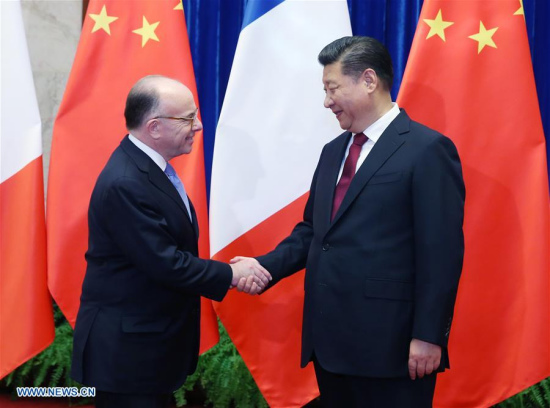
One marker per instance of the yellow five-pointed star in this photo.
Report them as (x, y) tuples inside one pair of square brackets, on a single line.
[(179, 5), (437, 26), (484, 37), (147, 32), (519, 11), (102, 21)]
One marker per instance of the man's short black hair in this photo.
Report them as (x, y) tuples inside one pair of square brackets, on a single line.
[(142, 102), (357, 54)]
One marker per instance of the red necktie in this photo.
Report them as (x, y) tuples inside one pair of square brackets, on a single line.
[(348, 172)]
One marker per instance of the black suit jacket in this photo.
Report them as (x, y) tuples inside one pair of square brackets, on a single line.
[(386, 269), (137, 329)]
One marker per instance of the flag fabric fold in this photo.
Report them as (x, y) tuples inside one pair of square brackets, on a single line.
[(270, 133), (120, 43), (26, 315), (469, 76)]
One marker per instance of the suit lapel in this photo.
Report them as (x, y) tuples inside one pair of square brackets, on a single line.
[(388, 143), (194, 218), (163, 183), (156, 175), (328, 174)]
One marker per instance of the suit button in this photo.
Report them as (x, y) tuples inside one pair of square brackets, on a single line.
[(326, 247)]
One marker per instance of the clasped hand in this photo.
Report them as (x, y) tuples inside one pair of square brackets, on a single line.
[(248, 275), (424, 358)]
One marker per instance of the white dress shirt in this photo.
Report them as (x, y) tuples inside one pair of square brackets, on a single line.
[(159, 160), (153, 154), (373, 132)]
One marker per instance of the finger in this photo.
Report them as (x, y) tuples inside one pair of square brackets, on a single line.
[(412, 368), (255, 287), (261, 277), (421, 369), (241, 284), (260, 284), (249, 282), (264, 271), (265, 274), (236, 259), (429, 367)]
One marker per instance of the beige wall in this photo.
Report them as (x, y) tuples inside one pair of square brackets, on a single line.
[(53, 30)]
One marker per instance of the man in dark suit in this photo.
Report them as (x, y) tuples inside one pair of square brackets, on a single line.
[(137, 331), (381, 241)]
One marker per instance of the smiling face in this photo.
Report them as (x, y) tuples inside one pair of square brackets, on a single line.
[(349, 98), (177, 134), (174, 127)]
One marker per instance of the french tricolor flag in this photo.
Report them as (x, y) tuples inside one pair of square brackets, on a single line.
[(270, 133), (26, 319)]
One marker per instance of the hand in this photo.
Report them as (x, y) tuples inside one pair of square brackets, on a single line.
[(424, 358), (245, 284), (248, 275)]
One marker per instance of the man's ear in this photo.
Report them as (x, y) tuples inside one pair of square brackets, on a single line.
[(153, 128), (370, 78)]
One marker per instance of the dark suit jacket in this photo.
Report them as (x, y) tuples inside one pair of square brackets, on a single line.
[(137, 329), (386, 269)]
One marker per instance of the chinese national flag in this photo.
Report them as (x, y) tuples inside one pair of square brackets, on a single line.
[(469, 76), (121, 42), (26, 317)]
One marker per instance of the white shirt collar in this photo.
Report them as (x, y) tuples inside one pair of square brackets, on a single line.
[(375, 130), (153, 154)]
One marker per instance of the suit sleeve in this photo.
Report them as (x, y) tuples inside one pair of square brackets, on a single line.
[(290, 255), (138, 227), (438, 212)]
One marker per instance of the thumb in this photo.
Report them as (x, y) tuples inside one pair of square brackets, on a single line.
[(237, 259)]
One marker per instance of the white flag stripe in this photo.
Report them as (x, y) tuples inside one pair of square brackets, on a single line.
[(273, 123), (20, 127)]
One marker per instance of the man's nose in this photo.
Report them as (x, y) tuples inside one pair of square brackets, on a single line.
[(197, 125), (328, 101)]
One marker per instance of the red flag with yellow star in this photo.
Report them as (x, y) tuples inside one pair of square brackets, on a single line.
[(120, 42), (469, 76)]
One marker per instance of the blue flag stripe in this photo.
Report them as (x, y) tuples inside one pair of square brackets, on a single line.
[(257, 8)]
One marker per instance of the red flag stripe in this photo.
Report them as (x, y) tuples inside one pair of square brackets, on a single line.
[(274, 320), (26, 319)]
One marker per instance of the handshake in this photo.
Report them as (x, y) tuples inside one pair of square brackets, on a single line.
[(248, 275)]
